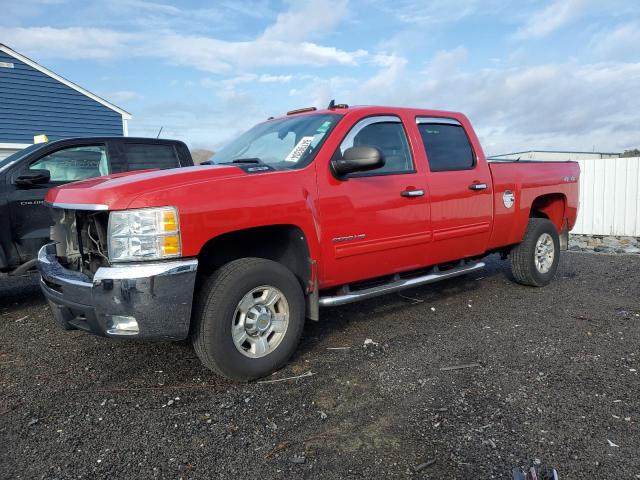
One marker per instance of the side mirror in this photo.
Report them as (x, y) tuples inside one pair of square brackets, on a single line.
[(33, 177), (357, 159)]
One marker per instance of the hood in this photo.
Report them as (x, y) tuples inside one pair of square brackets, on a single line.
[(116, 192)]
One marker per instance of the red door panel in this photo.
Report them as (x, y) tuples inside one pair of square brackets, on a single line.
[(375, 224), (460, 190)]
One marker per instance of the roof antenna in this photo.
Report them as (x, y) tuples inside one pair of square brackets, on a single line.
[(332, 105), (159, 132)]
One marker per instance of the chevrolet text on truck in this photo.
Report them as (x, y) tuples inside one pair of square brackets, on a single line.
[(313, 209)]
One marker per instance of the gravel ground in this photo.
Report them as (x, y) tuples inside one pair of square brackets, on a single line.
[(556, 383), (604, 244)]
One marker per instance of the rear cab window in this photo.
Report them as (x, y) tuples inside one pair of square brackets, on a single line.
[(447, 145), (144, 156)]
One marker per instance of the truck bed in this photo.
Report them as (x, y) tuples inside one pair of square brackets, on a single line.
[(529, 180)]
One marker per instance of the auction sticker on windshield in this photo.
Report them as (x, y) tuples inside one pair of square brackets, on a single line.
[(297, 152)]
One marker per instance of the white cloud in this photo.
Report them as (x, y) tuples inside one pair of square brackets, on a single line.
[(558, 14), (213, 55), (77, 43), (434, 12), (555, 105), (267, 78), (552, 106), (282, 44), (622, 41), (566, 106), (305, 19), (391, 71), (200, 52)]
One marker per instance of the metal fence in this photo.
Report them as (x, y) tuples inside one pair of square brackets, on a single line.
[(609, 197)]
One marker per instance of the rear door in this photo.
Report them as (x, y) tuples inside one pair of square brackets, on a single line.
[(460, 191), (30, 220)]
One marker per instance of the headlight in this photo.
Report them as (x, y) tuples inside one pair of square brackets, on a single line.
[(144, 234)]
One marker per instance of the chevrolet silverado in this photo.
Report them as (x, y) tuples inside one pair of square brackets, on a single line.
[(314, 209)]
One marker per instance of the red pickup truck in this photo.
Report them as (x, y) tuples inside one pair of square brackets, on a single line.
[(314, 209)]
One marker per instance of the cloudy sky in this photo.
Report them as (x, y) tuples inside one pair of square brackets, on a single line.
[(531, 74)]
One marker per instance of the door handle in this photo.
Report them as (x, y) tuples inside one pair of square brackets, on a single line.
[(478, 186), (412, 193)]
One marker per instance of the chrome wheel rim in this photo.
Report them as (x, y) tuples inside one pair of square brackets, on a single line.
[(545, 253), (260, 321)]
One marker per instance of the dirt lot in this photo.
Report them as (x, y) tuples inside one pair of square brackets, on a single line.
[(556, 383)]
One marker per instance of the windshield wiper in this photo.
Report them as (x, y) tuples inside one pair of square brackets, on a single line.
[(249, 161), (245, 160)]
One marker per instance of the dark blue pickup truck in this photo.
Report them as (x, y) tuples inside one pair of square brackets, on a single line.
[(27, 175)]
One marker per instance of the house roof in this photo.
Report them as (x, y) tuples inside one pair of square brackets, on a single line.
[(126, 115)]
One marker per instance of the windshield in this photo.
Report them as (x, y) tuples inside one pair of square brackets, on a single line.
[(281, 144), (14, 157)]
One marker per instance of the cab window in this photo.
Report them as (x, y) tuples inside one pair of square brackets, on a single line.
[(387, 134), (143, 156), (74, 163), (447, 146)]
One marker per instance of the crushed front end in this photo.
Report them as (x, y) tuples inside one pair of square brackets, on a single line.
[(149, 299)]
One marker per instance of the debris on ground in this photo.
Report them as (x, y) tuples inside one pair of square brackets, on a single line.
[(278, 448), (415, 301), (533, 474), (299, 459), (424, 465), (459, 367), (306, 374), (368, 341)]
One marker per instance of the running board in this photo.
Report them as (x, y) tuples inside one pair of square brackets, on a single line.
[(346, 295)]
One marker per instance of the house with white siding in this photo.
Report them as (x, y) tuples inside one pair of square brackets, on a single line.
[(36, 101)]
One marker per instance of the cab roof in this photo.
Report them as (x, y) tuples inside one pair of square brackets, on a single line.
[(364, 110)]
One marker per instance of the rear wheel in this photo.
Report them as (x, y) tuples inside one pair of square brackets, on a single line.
[(248, 318), (535, 260)]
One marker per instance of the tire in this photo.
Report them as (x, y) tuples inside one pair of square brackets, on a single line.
[(222, 317), (524, 267)]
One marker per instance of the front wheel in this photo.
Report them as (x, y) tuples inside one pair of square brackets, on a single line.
[(248, 318), (534, 261)]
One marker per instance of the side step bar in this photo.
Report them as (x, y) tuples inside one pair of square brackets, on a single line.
[(346, 295)]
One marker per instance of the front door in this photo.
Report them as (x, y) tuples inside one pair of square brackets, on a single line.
[(30, 220), (460, 191), (373, 223)]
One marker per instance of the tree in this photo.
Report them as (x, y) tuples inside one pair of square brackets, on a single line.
[(631, 153)]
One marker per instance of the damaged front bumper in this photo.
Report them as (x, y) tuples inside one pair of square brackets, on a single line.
[(144, 300)]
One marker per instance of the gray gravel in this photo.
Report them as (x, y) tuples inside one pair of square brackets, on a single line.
[(555, 383), (604, 244)]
